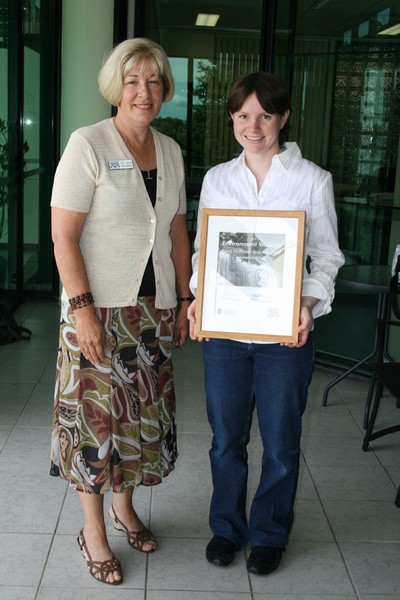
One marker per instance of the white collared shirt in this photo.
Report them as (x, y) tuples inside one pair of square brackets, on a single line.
[(292, 183)]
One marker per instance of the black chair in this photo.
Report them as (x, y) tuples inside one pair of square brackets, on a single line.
[(384, 375)]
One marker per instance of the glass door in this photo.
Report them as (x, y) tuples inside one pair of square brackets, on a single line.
[(29, 78), (10, 151)]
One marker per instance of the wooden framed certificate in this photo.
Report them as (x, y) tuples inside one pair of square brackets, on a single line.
[(250, 274)]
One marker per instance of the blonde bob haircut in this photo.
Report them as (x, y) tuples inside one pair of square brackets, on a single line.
[(137, 52)]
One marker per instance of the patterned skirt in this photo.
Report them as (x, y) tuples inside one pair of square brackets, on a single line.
[(114, 423)]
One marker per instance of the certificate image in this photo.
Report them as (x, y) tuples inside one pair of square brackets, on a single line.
[(247, 260), (250, 273)]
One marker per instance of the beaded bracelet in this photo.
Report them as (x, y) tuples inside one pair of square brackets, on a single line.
[(81, 301), (186, 299)]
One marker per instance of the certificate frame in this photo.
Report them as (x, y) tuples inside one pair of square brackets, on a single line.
[(250, 274)]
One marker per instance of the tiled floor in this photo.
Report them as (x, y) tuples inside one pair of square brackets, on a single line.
[(345, 544)]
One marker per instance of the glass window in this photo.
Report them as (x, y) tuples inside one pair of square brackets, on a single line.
[(205, 59), (346, 117), (346, 107), (341, 62)]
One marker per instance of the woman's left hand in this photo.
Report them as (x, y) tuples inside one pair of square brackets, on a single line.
[(306, 324), (181, 330)]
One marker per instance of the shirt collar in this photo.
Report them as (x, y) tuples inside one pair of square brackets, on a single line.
[(290, 153)]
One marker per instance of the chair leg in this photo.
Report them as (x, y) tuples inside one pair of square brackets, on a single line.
[(367, 408), (374, 412), (397, 501)]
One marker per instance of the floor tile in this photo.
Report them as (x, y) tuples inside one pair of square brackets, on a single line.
[(180, 564), (330, 421), (274, 596), (22, 558), (14, 392), (352, 483), (319, 450), (194, 595), (71, 518), (306, 489), (307, 568), (30, 511), (187, 479), (17, 593), (13, 398), (310, 522), (374, 568), (394, 474), (4, 435), (65, 551), (38, 411), (15, 475), (106, 592), (30, 440), (194, 447), (386, 449), (186, 519), (364, 521), (379, 597)]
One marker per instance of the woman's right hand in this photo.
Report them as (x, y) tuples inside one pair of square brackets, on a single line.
[(191, 315), (90, 334)]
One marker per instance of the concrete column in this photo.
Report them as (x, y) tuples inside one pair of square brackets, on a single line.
[(87, 36)]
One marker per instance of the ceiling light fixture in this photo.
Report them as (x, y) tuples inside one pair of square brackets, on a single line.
[(394, 30), (206, 20), (320, 4)]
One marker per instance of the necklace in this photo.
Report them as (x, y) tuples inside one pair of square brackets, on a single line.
[(138, 159)]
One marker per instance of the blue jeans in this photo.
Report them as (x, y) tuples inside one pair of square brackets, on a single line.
[(274, 379)]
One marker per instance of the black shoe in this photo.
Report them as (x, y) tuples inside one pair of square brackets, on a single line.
[(264, 559), (220, 551)]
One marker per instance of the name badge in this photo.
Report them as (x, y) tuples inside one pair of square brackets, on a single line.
[(120, 164)]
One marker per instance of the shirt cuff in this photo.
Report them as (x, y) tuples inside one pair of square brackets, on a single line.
[(193, 283), (314, 288)]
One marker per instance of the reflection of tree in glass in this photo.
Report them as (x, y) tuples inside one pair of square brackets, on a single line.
[(248, 261), (205, 138)]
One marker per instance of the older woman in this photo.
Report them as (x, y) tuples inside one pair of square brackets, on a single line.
[(123, 254)]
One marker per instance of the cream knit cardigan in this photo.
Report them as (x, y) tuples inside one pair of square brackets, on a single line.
[(122, 228)]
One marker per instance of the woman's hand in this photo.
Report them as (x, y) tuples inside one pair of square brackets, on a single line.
[(181, 330), (191, 315), (90, 334), (306, 323)]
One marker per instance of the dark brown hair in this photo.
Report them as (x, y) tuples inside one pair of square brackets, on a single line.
[(271, 91)]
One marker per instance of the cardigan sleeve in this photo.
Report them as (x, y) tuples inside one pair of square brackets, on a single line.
[(75, 178)]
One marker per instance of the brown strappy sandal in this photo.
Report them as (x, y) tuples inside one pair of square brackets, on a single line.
[(99, 569), (136, 539)]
